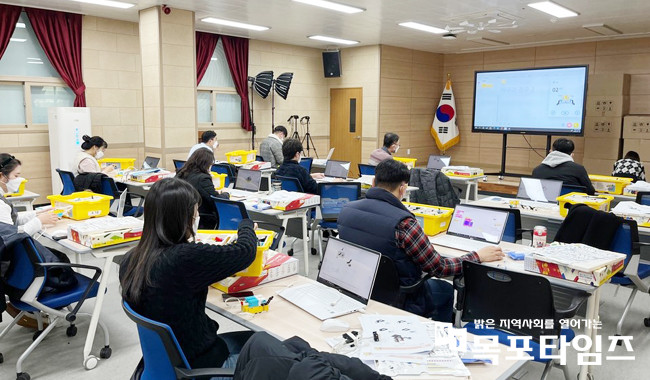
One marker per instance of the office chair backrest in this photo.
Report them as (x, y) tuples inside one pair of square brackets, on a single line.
[(290, 183), (624, 241), (178, 164), (387, 283), (224, 169), (67, 179), (110, 188), (259, 158), (643, 198), (572, 189), (585, 225), (501, 295), (306, 162), (160, 349), (230, 213), (365, 169), (23, 268), (335, 195)]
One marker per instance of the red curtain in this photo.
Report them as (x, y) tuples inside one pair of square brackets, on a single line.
[(8, 18), (236, 50), (205, 45), (59, 34)]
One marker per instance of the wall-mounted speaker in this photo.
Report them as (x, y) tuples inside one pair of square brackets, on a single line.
[(332, 64)]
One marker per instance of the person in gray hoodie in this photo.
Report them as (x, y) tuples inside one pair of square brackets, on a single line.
[(559, 165)]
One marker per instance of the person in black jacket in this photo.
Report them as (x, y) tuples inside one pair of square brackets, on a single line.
[(292, 151), (167, 275), (196, 171), (559, 165)]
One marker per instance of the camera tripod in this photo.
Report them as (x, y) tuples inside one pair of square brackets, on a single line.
[(307, 137), (293, 122)]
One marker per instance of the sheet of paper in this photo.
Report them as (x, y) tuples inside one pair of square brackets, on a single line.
[(534, 189)]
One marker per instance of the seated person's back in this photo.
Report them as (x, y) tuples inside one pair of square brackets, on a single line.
[(292, 151), (386, 151), (271, 146), (630, 166), (559, 165)]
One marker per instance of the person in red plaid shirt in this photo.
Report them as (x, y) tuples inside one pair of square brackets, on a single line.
[(381, 222)]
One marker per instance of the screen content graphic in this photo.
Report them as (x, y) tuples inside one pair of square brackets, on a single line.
[(534, 101), (249, 179), (478, 223), (541, 190), (337, 169), (349, 267)]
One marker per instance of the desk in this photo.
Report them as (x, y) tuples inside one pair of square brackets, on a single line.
[(108, 253), (285, 320), (26, 200), (467, 182)]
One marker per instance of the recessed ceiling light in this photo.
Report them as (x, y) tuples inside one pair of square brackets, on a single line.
[(20, 25), (332, 5), (17, 39), (602, 29), (449, 36), (234, 24), (107, 3), (334, 40), (553, 9), (423, 27)]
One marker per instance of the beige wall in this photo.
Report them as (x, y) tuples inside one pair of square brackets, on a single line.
[(409, 92)]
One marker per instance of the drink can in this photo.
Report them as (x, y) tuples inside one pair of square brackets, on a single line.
[(539, 236)]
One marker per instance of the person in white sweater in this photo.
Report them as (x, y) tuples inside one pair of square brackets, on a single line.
[(93, 150), (29, 222)]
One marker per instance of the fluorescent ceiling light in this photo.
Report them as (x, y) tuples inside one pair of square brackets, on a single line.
[(602, 29), (424, 28), (107, 3), (20, 25), (553, 9), (334, 40), (35, 62), (17, 39), (487, 41), (234, 24), (332, 5)]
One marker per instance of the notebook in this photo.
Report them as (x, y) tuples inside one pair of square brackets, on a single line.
[(438, 162), (248, 181), (323, 161), (540, 190), (472, 228), (344, 283), (150, 162), (336, 169)]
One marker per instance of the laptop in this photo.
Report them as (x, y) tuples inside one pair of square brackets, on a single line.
[(323, 161), (472, 228), (438, 162), (150, 162), (540, 190), (336, 169), (248, 181), (344, 283)]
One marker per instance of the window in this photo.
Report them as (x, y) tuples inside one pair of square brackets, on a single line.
[(29, 84), (217, 100)]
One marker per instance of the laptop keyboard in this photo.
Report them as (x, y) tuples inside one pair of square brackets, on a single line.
[(460, 243), (321, 301)]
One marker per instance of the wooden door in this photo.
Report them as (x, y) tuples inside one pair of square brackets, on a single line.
[(346, 105)]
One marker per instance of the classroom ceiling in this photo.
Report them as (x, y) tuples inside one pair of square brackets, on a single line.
[(291, 22)]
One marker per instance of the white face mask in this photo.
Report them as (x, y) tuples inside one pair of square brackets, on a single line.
[(396, 149), (14, 184), (299, 158), (215, 145), (195, 225), (99, 154)]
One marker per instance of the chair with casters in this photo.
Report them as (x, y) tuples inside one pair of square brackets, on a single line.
[(333, 197), (25, 283), (290, 183), (566, 189), (162, 356), (512, 233), (67, 179), (178, 164), (500, 295), (125, 207), (224, 169), (643, 198), (365, 169), (306, 162), (388, 288), (230, 213)]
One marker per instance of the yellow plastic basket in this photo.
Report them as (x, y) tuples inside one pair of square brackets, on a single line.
[(598, 202), (21, 190), (409, 162), (609, 185), (265, 239), (219, 180), (241, 156), (433, 219), (82, 205), (120, 163)]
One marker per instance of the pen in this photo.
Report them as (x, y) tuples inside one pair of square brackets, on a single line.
[(268, 301)]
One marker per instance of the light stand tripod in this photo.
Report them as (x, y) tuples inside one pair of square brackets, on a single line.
[(293, 122), (253, 129), (307, 137)]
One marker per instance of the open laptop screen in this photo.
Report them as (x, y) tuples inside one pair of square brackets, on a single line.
[(438, 162), (150, 162), (338, 169), (541, 190), (478, 223), (349, 268), (248, 180)]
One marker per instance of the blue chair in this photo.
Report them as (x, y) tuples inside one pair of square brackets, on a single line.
[(306, 162), (333, 197), (496, 294), (290, 183), (162, 356), (572, 189), (67, 179), (366, 169), (259, 158), (178, 164), (277, 229), (643, 198), (110, 188), (230, 213), (24, 283), (224, 169)]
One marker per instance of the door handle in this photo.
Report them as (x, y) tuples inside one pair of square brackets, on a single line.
[(358, 137)]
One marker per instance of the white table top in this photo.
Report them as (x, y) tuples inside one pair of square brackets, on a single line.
[(27, 196)]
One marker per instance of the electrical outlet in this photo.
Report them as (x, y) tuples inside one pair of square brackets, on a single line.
[(408, 151)]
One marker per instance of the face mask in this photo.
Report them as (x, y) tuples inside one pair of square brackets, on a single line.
[(195, 225), (215, 145), (99, 154), (396, 149), (299, 158), (14, 184)]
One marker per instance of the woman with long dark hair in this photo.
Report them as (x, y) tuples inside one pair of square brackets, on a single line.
[(196, 171), (166, 276)]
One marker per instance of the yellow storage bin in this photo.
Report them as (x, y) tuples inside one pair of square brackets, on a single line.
[(21, 190), (219, 180), (120, 163), (597, 202), (221, 237), (609, 185), (241, 156), (82, 205), (433, 219), (409, 162)]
